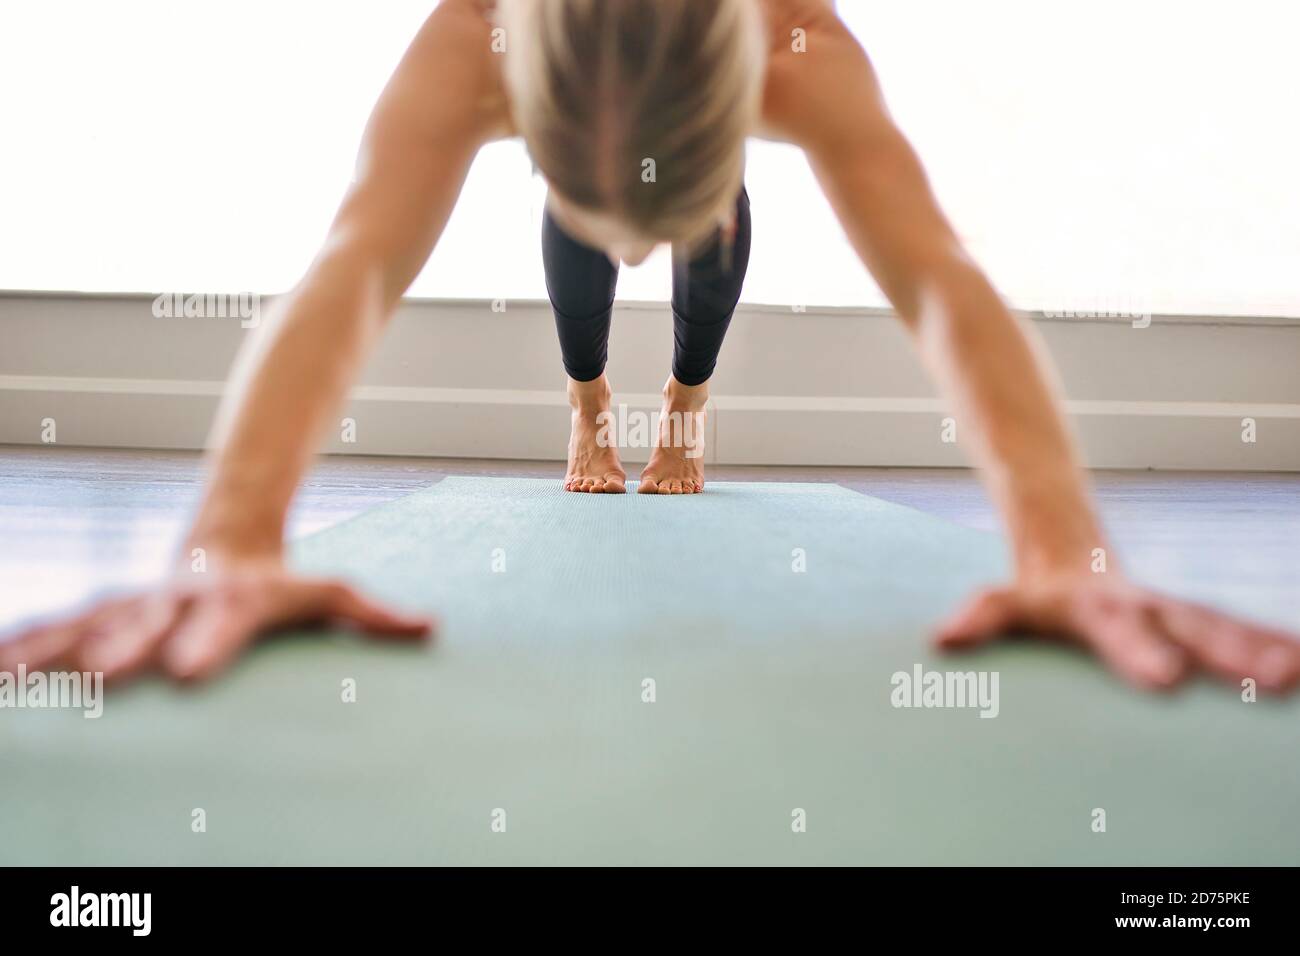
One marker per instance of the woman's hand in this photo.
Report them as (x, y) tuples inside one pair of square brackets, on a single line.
[(1151, 640), (196, 624)]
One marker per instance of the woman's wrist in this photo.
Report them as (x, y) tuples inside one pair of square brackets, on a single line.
[(223, 535), (1056, 533), (1054, 550)]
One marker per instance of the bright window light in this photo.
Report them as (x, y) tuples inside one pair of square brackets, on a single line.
[(1114, 154)]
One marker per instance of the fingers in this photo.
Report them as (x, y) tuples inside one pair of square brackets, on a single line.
[(52, 644), (1279, 666), (1129, 639), (985, 617), (207, 639), (1230, 648), (221, 626), (133, 644), (1123, 635), (1152, 642), (344, 603), (41, 646), (193, 634)]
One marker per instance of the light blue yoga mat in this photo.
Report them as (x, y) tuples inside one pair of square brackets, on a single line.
[(525, 733)]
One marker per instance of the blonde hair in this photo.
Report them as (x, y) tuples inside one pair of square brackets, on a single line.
[(638, 108)]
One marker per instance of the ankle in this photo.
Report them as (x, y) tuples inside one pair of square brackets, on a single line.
[(593, 396), (685, 398)]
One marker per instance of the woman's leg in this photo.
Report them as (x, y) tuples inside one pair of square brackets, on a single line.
[(705, 293), (580, 282)]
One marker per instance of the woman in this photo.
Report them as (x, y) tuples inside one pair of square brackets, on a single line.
[(636, 112)]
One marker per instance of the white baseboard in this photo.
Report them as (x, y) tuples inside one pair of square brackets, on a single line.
[(825, 388)]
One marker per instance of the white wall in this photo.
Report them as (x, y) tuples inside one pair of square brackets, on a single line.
[(822, 387)]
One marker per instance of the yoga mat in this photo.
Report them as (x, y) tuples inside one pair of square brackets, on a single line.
[(522, 735)]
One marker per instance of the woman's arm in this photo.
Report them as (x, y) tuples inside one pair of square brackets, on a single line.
[(996, 375), (441, 104), (295, 370)]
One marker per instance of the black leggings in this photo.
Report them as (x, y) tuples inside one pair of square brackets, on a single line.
[(580, 281)]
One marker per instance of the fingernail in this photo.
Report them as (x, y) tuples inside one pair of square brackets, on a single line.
[(184, 660), (96, 660), (103, 656), (1164, 663), (1273, 664)]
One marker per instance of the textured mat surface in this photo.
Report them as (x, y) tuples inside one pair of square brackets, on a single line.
[(772, 704)]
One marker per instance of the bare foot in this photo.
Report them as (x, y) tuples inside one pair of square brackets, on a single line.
[(593, 465), (676, 465)]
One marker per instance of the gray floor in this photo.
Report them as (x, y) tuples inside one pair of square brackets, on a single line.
[(74, 522)]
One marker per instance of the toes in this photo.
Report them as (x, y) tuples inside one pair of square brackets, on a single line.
[(612, 483), (669, 486)]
